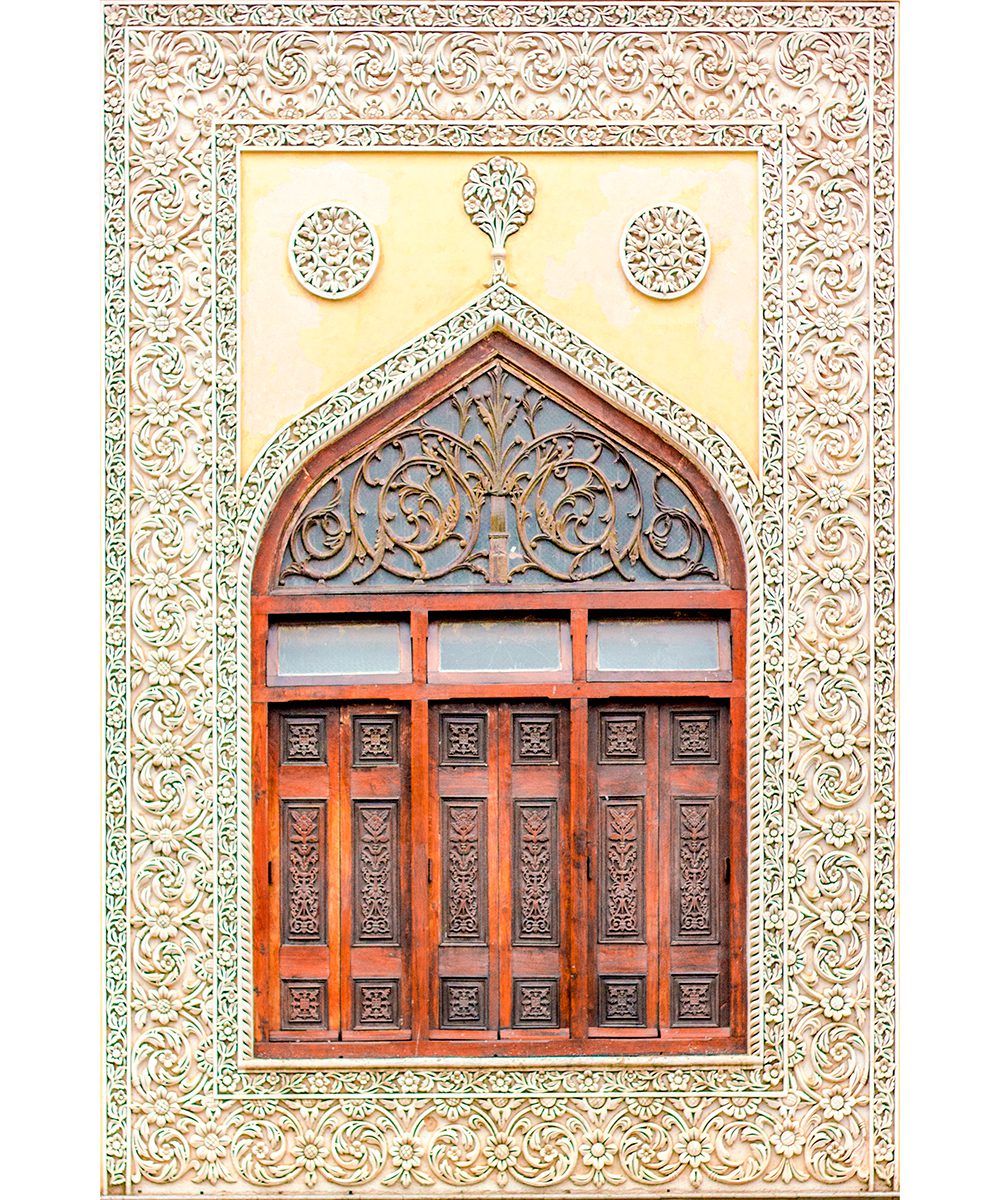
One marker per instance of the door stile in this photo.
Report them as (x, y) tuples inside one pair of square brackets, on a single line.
[(422, 967), (581, 783), (494, 858), (502, 876)]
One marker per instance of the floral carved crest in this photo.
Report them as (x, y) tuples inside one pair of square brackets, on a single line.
[(809, 90), (499, 196), (333, 252)]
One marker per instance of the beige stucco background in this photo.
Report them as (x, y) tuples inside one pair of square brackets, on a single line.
[(296, 348)]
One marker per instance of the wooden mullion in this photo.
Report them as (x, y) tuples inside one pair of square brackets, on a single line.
[(458, 693), (339, 936), (499, 786), (502, 879)]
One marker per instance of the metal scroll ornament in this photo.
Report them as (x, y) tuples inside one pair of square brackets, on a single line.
[(497, 483), (499, 196)]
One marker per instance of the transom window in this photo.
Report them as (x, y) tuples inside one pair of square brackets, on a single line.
[(498, 695)]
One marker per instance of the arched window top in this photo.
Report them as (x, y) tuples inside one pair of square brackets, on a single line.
[(507, 473)]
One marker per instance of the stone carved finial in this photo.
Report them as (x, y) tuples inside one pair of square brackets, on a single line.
[(499, 196)]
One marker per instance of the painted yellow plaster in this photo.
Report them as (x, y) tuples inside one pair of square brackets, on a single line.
[(296, 348)]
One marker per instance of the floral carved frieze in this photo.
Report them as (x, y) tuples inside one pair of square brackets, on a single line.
[(333, 252), (809, 90)]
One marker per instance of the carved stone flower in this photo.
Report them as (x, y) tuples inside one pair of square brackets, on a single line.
[(333, 252), (665, 251)]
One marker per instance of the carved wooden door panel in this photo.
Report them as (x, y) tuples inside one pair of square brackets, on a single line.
[(659, 868), (338, 890), (499, 807)]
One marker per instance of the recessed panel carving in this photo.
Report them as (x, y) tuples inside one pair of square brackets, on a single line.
[(375, 740), (376, 1004), (536, 1003), (463, 1003), (535, 873), (694, 1000), (621, 882), (695, 874), (303, 739), (535, 738), (621, 1000), (303, 1004), (463, 739), (303, 872), (622, 737), (463, 886), (376, 872), (694, 737)]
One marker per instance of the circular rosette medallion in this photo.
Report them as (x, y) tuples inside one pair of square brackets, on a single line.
[(665, 251), (333, 252)]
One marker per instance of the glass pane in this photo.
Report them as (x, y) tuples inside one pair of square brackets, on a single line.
[(324, 648), (649, 644), (500, 645)]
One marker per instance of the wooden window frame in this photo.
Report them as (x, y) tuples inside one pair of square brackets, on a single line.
[(580, 692)]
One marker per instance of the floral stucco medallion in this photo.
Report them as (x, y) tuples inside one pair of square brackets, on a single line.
[(333, 252), (665, 251)]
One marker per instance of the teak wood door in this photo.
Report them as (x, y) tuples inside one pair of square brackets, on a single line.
[(498, 861), (550, 875)]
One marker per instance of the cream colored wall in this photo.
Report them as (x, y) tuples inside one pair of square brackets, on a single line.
[(296, 348)]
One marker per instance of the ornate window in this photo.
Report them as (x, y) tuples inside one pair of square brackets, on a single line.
[(499, 709)]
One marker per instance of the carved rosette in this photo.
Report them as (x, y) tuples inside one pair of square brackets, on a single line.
[(499, 196), (665, 251), (333, 252)]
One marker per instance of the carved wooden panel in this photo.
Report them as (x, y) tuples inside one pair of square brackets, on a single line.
[(463, 1003), (376, 1004), (535, 874), (303, 1004), (303, 872), (535, 738), (303, 739), (463, 739), (694, 737), (694, 900), (694, 1000), (464, 867), (536, 1003), (621, 881), (374, 740), (621, 1000), (622, 738), (375, 847)]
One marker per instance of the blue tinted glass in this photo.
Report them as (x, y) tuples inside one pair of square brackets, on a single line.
[(649, 644), (500, 645), (338, 648)]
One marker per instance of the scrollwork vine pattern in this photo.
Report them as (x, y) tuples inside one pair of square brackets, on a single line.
[(185, 85)]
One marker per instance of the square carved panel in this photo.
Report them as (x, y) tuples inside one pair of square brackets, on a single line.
[(535, 738), (303, 740), (694, 737), (303, 1004), (536, 1003), (622, 738), (463, 739), (376, 1004), (694, 1000), (375, 740), (463, 1003), (621, 1000)]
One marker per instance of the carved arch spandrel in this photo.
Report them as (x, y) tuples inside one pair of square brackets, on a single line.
[(623, 431)]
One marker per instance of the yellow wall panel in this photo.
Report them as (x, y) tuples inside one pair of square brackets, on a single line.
[(296, 348)]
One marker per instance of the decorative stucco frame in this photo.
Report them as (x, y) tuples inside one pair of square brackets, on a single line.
[(810, 87)]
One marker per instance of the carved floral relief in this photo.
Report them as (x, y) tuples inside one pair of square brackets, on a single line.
[(188, 89)]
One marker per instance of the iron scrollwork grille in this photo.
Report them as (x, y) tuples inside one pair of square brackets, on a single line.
[(497, 483)]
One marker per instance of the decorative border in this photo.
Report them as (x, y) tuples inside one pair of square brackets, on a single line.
[(826, 72)]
